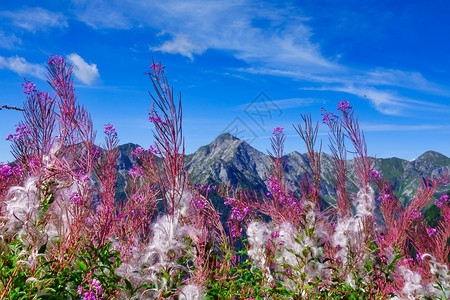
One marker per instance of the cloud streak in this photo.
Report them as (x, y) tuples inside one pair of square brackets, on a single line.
[(22, 67), (396, 127), (271, 38), (287, 103), (35, 19), (86, 73)]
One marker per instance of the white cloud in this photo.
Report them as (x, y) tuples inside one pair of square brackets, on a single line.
[(285, 103), (389, 102), (9, 41), (20, 66), (271, 38), (180, 44), (100, 14), (397, 127), (86, 73), (259, 33), (35, 19)]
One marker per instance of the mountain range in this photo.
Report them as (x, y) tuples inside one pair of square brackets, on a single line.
[(228, 159)]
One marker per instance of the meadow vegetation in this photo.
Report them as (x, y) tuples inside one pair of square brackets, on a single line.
[(65, 235)]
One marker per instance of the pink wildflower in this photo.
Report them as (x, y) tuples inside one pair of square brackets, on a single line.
[(374, 175), (29, 87), (230, 201), (137, 152), (344, 106), (278, 131), (153, 150), (55, 59), (110, 130), (431, 231)]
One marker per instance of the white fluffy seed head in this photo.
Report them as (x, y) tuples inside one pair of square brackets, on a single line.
[(191, 292), (364, 202)]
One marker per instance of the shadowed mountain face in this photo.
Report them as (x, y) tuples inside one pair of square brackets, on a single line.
[(230, 160)]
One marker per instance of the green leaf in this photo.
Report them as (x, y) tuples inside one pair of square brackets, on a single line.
[(82, 265), (129, 286), (42, 249)]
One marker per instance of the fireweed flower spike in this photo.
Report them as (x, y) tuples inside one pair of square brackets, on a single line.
[(28, 87), (344, 106), (278, 131)]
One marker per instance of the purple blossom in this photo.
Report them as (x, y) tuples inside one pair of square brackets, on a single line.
[(153, 118), (55, 59), (431, 231), (135, 171), (89, 296), (328, 118), (384, 197), (139, 151), (230, 201), (278, 131), (444, 199), (97, 285), (246, 211), (201, 204), (75, 198), (153, 150), (236, 214), (6, 171), (415, 215), (21, 131), (110, 130), (29, 87), (157, 67), (374, 175), (344, 106), (273, 184), (80, 290)]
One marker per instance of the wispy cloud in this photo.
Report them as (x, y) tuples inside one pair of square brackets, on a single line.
[(389, 102), (397, 127), (271, 38), (287, 103), (20, 66), (9, 40), (100, 14), (86, 73), (35, 19), (256, 32), (180, 44)]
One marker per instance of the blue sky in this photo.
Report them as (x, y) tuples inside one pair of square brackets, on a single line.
[(241, 65)]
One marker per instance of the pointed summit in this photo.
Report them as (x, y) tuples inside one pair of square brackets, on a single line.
[(433, 156)]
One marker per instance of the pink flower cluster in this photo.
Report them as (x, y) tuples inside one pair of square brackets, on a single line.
[(94, 294), (139, 151), (7, 171), (28, 87), (76, 199), (278, 131), (110, 130), (273, 184), (344, 106), (55, 60), (135, 171), (443, 200), (21, 131), (374, 175)]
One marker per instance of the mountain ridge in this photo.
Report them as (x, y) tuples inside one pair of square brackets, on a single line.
[(227, 159)]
